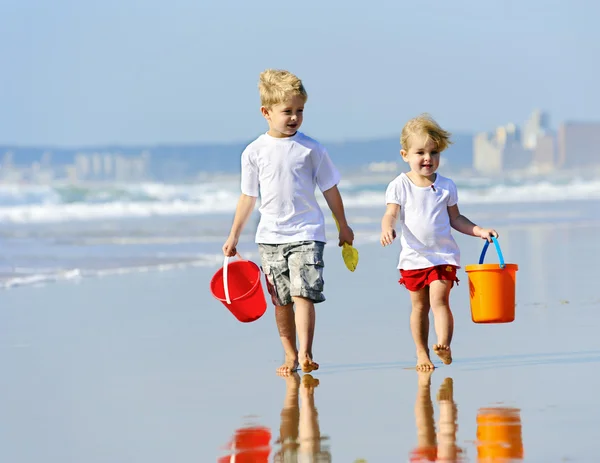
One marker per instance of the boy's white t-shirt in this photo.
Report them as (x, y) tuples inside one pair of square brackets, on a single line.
[(426, 233), (285, 172)]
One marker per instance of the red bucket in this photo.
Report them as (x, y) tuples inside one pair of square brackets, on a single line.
[(237, 286)]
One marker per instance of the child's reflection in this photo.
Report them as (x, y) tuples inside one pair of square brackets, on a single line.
[(432, 447), (300, 436)]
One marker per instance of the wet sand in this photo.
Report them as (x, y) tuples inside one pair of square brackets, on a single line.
[(149, 368)]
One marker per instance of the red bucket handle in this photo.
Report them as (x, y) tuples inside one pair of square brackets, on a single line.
[(225, 283)]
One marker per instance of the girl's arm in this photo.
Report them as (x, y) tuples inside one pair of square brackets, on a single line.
[(244, 209), (388, 222), (462, 224)]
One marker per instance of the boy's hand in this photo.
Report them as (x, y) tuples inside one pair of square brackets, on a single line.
[(388, 236), (229, 248), (487, 233), (346, 235)]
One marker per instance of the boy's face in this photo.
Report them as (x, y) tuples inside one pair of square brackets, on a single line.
[(284, 118), (422, 156)]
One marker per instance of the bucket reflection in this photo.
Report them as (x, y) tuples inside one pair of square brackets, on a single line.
[(499, 435), (250, 444)]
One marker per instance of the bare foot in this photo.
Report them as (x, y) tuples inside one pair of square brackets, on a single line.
[(424, 362), (308, 364), (289, 367), (444, 353)]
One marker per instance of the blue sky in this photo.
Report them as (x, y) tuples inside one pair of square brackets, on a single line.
[(80, 72)]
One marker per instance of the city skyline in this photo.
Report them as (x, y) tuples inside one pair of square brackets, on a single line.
[(532, 147)]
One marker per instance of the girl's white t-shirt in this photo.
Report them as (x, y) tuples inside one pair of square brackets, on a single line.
[(426, 239), (285, 173)]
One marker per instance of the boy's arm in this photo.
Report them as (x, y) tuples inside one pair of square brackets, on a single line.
[(462, 224), (335, 203), (244, 209), (388, 222)]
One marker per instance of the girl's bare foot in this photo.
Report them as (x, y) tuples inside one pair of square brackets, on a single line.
[(424, 362), (289, 367), (308, 364), (444, 353)]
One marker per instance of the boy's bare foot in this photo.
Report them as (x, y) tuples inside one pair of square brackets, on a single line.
[(289, 367), (444, 353), (308, 364), (424, 362)]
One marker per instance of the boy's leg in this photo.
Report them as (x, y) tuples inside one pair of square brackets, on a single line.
[(275, 267), (305, 326), (305, 262), (284, 317), (419, 327), (439, 292)]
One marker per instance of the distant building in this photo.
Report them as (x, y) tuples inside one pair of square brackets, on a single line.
[(536, 127), (82, 166), (544, 154), (498, 151), (578, 145)]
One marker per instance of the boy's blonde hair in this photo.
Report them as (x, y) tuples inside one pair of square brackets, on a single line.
[(276, 86), (425, 125)]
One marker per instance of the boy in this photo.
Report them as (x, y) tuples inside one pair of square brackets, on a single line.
[(427, 205), (284, 166)]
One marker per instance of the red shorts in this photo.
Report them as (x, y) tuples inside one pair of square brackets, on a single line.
[(414, 280)]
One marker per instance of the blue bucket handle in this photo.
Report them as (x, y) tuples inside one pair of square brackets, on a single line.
[(485, 246)]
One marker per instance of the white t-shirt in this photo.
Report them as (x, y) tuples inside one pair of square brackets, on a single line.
[(426, 233), (285, 172)]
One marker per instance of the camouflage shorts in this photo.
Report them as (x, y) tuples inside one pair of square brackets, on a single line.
[(293, 269)]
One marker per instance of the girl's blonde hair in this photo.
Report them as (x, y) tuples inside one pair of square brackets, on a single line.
[(424, 124), (276, 86)]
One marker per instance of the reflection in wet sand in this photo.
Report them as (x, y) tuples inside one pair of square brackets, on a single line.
[(499, 435), (300, 437), (432, 447), (250, 444)]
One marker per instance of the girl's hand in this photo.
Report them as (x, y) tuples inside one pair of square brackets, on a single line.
[(229, 248), (388, 236), (487, 233)]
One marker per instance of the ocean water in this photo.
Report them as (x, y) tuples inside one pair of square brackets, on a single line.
[(65, 232)]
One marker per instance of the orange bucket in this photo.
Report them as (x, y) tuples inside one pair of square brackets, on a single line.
[(237, 286), (499, 435), (492, 289), (249, 445)]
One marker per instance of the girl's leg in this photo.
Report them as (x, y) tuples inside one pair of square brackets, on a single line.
[(419, 327), (284, 317), (305, 326), (439, 292)]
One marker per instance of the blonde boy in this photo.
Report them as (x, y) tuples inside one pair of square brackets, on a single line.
[(285, 166), (427, 205)]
